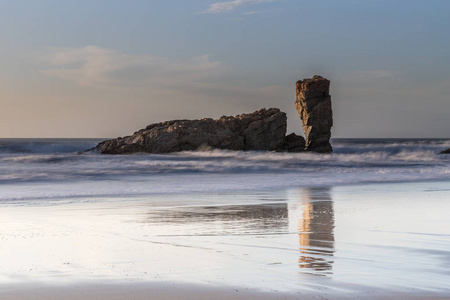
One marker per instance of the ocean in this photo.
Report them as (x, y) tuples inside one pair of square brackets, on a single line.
[(52, 169), (369, 220)]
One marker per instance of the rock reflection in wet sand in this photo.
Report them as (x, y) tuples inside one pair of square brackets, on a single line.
[(316, 235), (225, 220), (314, 219)]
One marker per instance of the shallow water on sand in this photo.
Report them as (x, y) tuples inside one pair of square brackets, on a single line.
[(345, 240)]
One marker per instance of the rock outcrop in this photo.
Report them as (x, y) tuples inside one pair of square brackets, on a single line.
[(447, 151), (292, 143), (313, 104), (264, 129)]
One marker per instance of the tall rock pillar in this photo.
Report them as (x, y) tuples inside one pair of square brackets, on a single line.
[(314, 108)]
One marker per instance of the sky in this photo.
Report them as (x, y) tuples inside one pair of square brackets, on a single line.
[(106, 68)]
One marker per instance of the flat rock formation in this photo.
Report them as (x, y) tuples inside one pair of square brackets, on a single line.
[(264, 129), (447, 151), (313, 104)]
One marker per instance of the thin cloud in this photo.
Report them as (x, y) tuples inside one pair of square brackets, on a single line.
[(253, 12), (221, 7), (378, 74), (162, 88), (96, 66)]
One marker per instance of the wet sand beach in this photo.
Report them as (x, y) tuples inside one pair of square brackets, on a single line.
[(364, 241), (162, 291)]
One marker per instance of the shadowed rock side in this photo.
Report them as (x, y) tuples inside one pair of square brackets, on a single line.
[(264, 129), (292, 143), (447, 151), (314, 108)]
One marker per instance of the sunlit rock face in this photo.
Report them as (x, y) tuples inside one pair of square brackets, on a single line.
[(264, 129), (313, 104)]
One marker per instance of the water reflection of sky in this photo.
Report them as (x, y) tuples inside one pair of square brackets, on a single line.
[(384, 236), (348, 234)]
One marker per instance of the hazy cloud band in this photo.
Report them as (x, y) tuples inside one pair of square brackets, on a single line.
[(221, 7)]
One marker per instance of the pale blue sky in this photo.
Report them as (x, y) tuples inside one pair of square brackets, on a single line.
[(106, 68)]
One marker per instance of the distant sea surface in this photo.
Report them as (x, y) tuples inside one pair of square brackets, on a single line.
[(58, 169)]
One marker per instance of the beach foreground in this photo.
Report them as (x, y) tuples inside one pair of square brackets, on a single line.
[(365, 241), (161, 291)]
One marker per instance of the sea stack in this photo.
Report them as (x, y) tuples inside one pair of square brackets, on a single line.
[(313, 104)]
